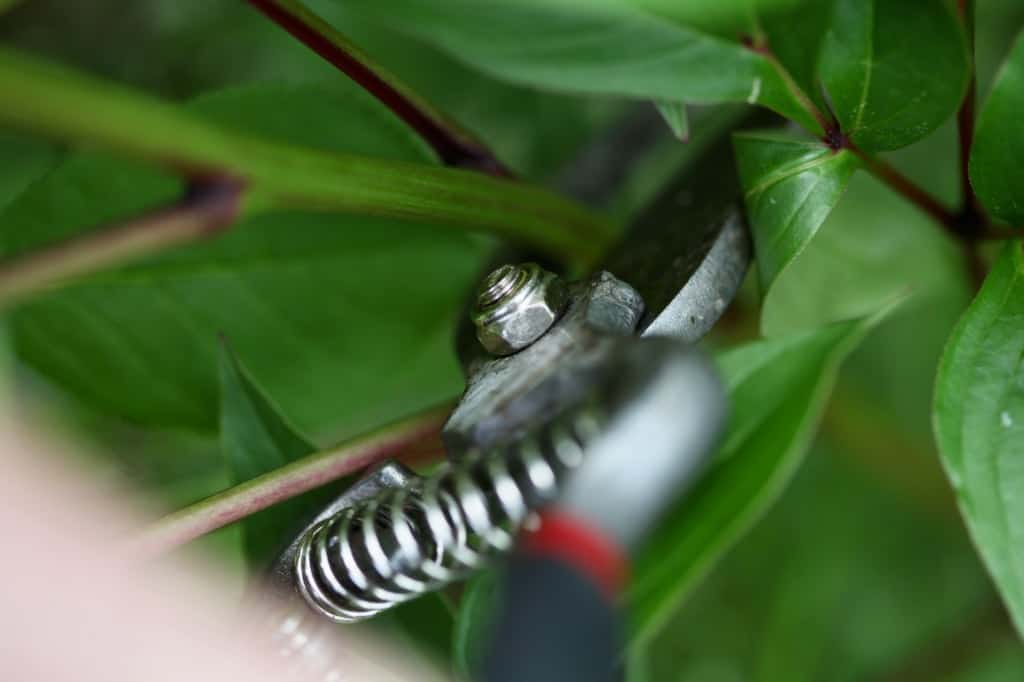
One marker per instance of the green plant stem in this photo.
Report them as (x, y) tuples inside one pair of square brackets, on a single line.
[(206, 210), (453, 145), (235, 504), (59, 103)]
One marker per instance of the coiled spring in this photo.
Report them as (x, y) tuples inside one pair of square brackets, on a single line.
[(416, 539)]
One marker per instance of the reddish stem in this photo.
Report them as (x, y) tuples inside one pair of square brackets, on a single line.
[(209, 206), (972, 216), (235, 504), (453, 146), (904, 186)]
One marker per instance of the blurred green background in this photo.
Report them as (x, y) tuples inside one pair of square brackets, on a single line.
[(862, 572)]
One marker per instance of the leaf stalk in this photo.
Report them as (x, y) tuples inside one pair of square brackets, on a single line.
[(236, 503)]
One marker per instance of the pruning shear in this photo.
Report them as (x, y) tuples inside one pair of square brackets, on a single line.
[(588, 410)]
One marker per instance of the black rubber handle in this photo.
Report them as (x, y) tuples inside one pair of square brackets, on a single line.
[(554, 624)]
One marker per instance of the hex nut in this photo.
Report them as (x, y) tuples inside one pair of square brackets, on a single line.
[(516, 305)]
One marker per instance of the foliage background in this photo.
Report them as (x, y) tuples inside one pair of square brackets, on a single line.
[(863, 571)]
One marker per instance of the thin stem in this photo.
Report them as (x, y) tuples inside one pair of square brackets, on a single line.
[(758, 43), (904, 186), (235, 504), (808, 105), (971, 213), (963, 228), (206, 209), (454, 146)]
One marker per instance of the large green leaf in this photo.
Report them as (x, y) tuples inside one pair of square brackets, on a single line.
[(997, 160), (790, 186), (894, 70), (777, 389), (255, 439), (345, 321), (979, 417), (601, 47)]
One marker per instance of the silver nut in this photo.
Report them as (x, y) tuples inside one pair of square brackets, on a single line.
[(516, 305)]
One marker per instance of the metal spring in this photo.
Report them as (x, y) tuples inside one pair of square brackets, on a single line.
[(409, 541)]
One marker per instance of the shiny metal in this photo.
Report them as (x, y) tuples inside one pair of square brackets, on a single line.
[(688, 252), (389, 475), (572, 391), (516, 304), (409, 540), (652, 405), (503, 397)]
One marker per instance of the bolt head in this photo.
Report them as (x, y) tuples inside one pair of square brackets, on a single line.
[(516, 305)]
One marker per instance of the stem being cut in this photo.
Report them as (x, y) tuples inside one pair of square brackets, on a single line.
[(234, 504)]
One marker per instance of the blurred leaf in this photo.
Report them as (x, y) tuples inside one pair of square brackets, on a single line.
[(602, 47), (894, 70), (777, 389), (1004, 663), (344, 320), (256, 439), (474, 621), (425, 622), (839, 582), (726, 18), (997, 168), (193, 46), (873, 246), (790, 186), (674, 114), (534, 131), (22, 161), (794, 30), (979, 418)]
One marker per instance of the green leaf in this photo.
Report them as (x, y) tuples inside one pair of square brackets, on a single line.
[(979, 417), (345, 321), (474, 621), (795, 31), (256, 439), (894, 70), (873, 246), (777, 389), (997, 168), (674, 114), (790, 186), (22, 162), (598, 48)]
